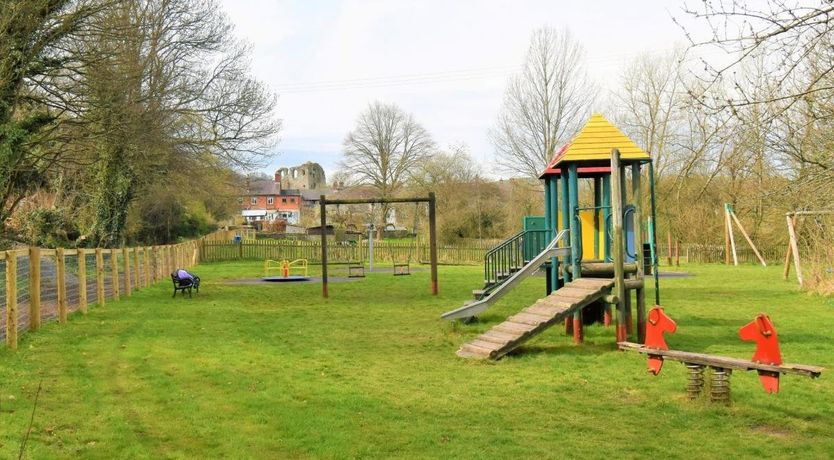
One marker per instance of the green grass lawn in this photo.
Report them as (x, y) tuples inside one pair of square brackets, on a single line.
[(274, 371)]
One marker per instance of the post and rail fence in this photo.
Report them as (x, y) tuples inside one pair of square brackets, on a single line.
[(465, 253), (48, 284)]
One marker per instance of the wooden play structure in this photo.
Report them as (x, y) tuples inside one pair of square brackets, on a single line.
[(295, 270), (730, 240), (430, 200), (586, 275), (794, 253), (766, 361)]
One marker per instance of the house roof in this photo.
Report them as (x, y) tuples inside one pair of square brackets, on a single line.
[(270, 187), (264, 187), (592, 147)]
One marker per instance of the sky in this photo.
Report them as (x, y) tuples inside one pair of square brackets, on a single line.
[(445, 61)]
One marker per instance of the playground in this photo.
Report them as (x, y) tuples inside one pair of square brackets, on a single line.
[(371, 371), (267, 359)]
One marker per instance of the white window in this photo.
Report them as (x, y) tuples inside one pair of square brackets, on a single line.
[(270, 199), (254, 200)]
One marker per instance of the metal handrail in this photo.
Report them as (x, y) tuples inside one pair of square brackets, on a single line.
[(497, 291), (510, 255)]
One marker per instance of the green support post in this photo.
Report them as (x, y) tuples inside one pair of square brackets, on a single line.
[(554, 215), (566, 276), (548, 227), (654, 236), (575, 242), (563, 180)]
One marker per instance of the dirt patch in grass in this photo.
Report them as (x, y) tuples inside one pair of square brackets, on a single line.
[(772, 431)]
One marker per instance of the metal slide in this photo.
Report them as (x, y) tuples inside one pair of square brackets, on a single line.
[(472, 309)]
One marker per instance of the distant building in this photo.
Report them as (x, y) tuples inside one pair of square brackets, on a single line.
[(296, 191), (309, 176), (264, 200), (283, 197)]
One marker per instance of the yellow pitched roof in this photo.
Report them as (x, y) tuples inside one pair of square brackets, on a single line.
[(594, 142)]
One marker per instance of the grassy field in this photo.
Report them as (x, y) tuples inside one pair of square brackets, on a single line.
[(273, 371)]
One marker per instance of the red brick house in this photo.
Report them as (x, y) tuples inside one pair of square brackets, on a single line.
[(265, 200)]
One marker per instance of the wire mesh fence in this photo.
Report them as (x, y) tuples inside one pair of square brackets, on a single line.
[(40, 285), (72, 283), (22, 287), (109, 276)]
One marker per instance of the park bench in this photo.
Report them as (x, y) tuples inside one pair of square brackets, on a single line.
[(185, 284)]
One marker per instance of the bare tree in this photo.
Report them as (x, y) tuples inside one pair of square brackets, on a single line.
[(648, 105), (452, 165), (384, 149), (544, 105), (787, 33)]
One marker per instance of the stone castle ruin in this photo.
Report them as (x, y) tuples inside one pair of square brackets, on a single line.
[(309, 176)]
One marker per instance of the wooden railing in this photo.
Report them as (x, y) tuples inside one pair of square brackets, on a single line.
[(468, 253), (48, 284), (709, 254)]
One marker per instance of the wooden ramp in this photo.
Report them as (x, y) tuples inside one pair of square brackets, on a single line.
[(534, 319)]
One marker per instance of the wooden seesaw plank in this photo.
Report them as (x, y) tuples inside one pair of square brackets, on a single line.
[(723, 361)]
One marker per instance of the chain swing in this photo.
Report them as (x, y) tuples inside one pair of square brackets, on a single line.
[(356, 266)]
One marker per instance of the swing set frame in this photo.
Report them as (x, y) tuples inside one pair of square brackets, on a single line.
[(430, 200), (793, 245)]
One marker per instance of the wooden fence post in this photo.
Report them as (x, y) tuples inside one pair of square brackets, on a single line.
[(156, 262), (100, 297), (618, 249), (162, 260), (11, 299), (147, 260), (34, 288), (677, 253), (60, 263), (82, 280), (137, 269), (114, 277), (126, 274)]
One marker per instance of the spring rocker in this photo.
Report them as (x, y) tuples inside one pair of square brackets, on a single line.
[(285, 269), (766, 361)]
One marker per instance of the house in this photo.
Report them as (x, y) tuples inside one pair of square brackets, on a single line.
[(286, 196), (265, 200)]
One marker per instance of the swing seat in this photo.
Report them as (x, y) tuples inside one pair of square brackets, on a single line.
[(356, 270), (402, 269)]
